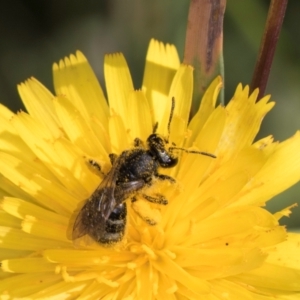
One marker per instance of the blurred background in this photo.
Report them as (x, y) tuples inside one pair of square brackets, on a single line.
[(35, 33)]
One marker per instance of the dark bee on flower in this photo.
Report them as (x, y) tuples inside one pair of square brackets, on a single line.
[(103, 216)]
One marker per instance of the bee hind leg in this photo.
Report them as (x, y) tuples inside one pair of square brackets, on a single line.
[(165, 177), (143, 210), (160, 199)]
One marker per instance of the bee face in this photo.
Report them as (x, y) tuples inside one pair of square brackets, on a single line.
[(157, 146), (103, 217)]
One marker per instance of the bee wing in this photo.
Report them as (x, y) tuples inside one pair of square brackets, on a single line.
[(99, 206), (106, 199), (83, 223)]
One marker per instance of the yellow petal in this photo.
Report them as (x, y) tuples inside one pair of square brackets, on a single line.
[(12, 288), (20, 208), (77, 129), (48, 193), (60, 290), (244, 116), (118, 83), (143, 283), (7, 220), (10, 239), (118, 135), (39, 104), (279, 172), (286, 254), (231, 290), (163, 60), (43, 229), (284, 212), (275, 277), (192, 164), (182, 90), (8, 188), (76, 164), (167, 266), (10, 253), (139, 120), (27, 265), (206, 108), (75, 79), (40, 140)]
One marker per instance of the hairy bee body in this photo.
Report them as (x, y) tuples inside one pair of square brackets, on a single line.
[(103, 216)]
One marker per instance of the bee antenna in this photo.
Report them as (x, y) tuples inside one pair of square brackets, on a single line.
[(155, 127), (171, 116), (192, 151), (170, 119)]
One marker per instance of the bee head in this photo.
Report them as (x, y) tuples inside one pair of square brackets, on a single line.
[(157, 147)]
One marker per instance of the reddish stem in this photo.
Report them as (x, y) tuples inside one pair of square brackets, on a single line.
[(268, 45)]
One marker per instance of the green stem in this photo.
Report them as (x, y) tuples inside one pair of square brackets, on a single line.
[(204, 44), (268, 45)]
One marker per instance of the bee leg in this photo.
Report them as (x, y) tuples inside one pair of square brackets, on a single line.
[(144, 212), (138, 142), (160, 199), (112, 157), (95, 167), (165, 177), (133, 199)]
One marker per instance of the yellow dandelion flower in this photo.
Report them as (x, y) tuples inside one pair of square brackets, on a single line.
[(214, 239)]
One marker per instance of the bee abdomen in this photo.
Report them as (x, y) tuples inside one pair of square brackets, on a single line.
[(115, 225)]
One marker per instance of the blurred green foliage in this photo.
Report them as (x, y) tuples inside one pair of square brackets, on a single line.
[(34, 34)]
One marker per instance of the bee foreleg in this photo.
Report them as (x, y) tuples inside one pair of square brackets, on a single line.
[(138, 142), (94, 165), (112, 157)]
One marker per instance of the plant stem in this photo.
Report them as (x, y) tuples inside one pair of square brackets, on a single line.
[(204, 44), (268, 45)]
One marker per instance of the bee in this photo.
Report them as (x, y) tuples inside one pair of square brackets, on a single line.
[(103, 216)]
